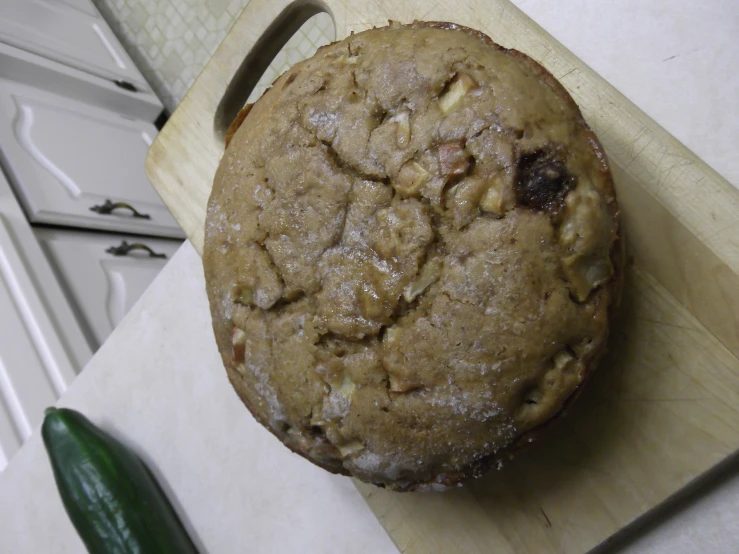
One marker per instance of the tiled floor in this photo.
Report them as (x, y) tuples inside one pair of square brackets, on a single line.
[(171, 40)]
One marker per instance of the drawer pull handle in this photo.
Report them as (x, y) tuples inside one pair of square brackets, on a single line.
[(107, 208), (124, 248), (125, 85)]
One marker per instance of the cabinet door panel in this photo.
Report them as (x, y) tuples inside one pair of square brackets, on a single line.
[(31, 376), (71, 32), (102, 286), (65, 157)]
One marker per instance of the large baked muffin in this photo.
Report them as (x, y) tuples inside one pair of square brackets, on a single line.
[(411, 253)]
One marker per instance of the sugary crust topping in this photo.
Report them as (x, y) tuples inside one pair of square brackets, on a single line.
[(409, 254)]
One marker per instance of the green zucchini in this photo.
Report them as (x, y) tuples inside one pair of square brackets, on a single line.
[(113, 500)]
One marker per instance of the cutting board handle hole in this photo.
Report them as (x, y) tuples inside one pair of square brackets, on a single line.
[(256, 62)]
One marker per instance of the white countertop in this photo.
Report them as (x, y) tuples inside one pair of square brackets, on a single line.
[(678, 60), (238, 488)]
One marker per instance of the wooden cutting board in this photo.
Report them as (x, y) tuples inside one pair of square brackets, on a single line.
[(664, 406)]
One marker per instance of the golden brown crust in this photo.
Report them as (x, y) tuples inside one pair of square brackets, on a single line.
[(236, 123), (355, 380)]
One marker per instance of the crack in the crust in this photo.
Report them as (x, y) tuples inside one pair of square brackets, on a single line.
[(458, 300), (263, 245), (456, 180), (403, 307), (480, 132), (284, 301), (386, 379), (571, 352), (325, 339), (447, 83), (348, 169), (340, 234)]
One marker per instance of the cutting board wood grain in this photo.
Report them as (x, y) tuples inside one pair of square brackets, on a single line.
[(664, 406)]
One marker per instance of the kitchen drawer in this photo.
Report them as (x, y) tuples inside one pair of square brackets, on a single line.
[(100, 285), (69, 160)]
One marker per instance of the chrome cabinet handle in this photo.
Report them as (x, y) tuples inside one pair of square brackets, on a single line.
[(124, 248), (108, 206)]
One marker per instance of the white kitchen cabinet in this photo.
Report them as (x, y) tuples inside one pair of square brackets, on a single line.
[(26, 384), (102, 286), (71, 139), (42, 347), (71, 32), (67, 159)]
